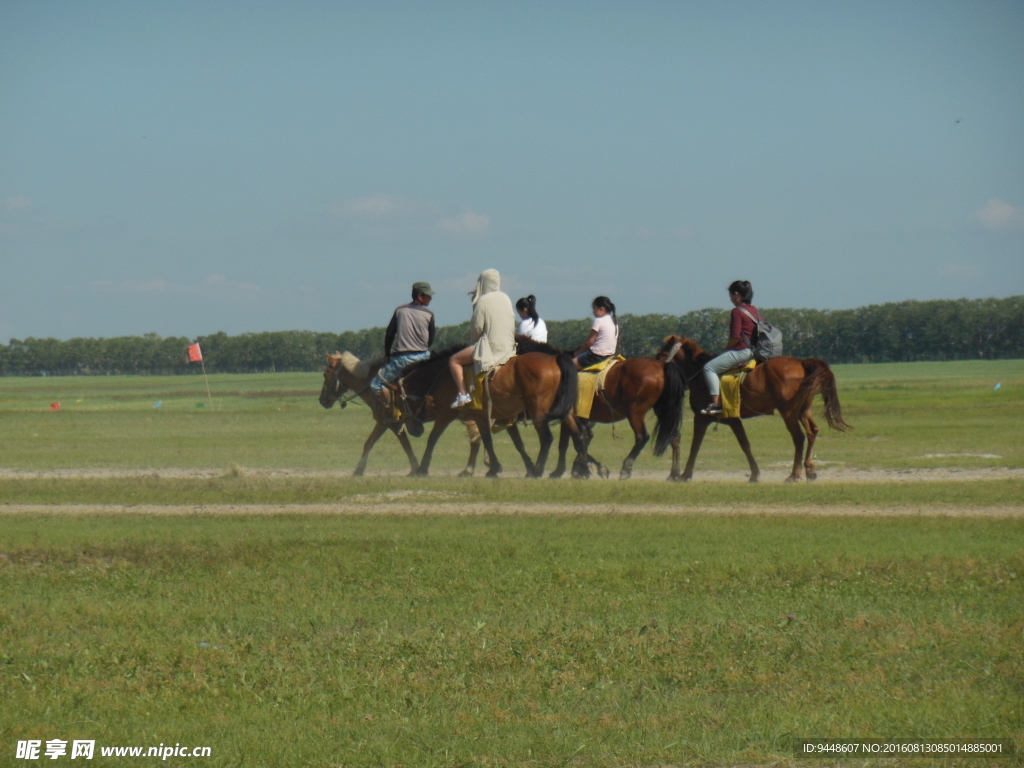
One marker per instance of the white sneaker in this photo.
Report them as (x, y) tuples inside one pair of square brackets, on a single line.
[(461, 400)]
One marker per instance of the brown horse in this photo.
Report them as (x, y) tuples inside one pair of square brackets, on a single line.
[(631, 389), (540, 386), (346, 374), (782, 384)]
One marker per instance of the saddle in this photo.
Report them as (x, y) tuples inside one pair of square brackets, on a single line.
[(591, 384), (731, 383)]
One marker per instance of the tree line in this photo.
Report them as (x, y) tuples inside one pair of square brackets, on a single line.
[(896, 332)]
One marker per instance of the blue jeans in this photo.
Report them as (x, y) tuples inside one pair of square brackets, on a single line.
[(588, 359), (728, 360), (390, 370)]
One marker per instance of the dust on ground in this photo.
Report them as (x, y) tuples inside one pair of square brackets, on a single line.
[(769, 474), (510, 508)]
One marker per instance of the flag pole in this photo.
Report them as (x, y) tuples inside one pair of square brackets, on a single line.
[(208, 394)]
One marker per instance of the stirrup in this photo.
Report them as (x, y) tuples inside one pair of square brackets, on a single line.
[(462, 400), (712, 410)]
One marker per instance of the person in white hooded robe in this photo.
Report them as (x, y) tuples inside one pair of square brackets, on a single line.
[(492, 333)]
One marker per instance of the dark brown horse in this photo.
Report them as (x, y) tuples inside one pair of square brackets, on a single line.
[(783, 384), (347, 378), (631, 389), (543, 387)]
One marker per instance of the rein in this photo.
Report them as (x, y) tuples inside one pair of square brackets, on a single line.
[(343, 401)]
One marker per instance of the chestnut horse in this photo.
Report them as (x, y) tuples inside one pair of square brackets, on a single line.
[(783, 384), (631, 389), (346, 373), (540, 386)]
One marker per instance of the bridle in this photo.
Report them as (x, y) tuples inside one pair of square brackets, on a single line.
[(342, 400)]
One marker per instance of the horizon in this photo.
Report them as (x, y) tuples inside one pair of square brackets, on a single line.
[(383, 325)]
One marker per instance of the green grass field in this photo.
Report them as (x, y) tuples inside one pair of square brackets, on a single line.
[(906, 416), (546, 641), (513, 640)]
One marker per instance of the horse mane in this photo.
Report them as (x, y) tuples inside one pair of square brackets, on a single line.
[(361, 368), (689, 346), (525, 344)]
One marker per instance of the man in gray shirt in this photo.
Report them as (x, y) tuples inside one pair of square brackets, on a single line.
[(407, 340)]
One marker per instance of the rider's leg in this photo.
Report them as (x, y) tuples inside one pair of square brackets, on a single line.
[(716, 367), (456, 363)]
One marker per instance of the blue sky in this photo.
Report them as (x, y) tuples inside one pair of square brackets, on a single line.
[(191, 167)]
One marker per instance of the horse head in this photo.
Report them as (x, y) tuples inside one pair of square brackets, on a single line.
[(344, 372), (333, 387), (681, 350)]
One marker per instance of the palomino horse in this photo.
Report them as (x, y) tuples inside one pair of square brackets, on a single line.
[(631, 389), (346, 373), (538, 385), (782, 384)]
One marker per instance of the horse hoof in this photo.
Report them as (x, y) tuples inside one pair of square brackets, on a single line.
[(556, 475), (674, 478), (604, 472), (812, 476), (465, 473), (624, 475), (791, 479)]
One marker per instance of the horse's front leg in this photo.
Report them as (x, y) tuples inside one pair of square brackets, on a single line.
[(440, 424), (640, 438), (741, 437), (517, 441), (403, 438), (379, 429), (812, 435), (581, 437), (563, 447), (700, 428)]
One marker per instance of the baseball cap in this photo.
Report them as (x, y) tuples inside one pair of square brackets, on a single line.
[(423, 288)]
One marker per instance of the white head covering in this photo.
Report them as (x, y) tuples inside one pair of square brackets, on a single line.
[(488, 281)]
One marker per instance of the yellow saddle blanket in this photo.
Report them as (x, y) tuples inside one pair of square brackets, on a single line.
[(475, 387), (731, 382), (591, 381)]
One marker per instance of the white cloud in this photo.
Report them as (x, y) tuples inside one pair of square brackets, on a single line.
[(996, 214), (959, 271), (380, 207), (16, 205), (214, 286), (467, 223)]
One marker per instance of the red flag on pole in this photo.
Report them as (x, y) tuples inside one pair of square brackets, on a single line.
[(195, 355)]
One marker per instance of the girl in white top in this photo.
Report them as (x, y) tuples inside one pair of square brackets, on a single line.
[(604, 335), (532, 326)]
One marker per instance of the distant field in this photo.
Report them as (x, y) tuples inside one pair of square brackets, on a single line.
[(906, 416)]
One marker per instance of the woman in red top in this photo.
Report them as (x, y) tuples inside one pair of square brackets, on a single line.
[(738, 352)]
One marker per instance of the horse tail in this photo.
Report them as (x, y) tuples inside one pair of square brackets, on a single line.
[(819, 378), (669, 409), (565, 397)]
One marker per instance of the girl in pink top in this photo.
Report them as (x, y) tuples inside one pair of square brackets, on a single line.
[(604, 335)]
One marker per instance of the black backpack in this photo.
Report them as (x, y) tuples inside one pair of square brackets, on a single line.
[(768, 341)]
